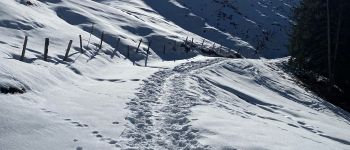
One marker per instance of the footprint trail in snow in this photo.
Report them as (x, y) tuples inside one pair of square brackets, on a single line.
[(159, 114)]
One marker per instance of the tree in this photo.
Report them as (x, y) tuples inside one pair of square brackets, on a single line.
[(319, 41), (329, 44)]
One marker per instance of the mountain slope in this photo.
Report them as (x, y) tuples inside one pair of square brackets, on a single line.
[(106, 99), (261, 25)]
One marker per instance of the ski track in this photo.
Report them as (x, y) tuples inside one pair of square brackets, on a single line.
[(159, 113)]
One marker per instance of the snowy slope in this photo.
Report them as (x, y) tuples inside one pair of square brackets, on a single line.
[(232, 104), (243, 25), (98, 100), (257, 103)]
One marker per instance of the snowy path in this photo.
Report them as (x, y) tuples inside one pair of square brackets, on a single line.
[(159, 117), (219, 103)]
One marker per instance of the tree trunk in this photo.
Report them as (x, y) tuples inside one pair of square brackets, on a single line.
[(329, 45), (337, 40)]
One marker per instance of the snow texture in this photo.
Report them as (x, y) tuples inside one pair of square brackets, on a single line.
[(105, 99)]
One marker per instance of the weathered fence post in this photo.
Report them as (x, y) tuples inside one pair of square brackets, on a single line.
[(102, 35), (128, 52), (147, 53), (203, 42), (67, 52), (81, 44), (24, 47), (46, 50), (138, 47), (116, 47), (92, 30), (213, 46), (192, 42), (186, 41)]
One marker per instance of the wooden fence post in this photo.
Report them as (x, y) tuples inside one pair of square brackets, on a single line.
[(116, 47), (46, 50), (81, 44), (102, 35), (213, 46), (203, 42), (192, 42), (24, 48), (67, 52), (147, 53), (138, 47), (128, 52), (186, 40)]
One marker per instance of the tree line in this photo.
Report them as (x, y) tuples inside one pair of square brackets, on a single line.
[(319, 45)]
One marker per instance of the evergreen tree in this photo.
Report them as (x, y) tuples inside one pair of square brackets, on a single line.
[(309, 40)]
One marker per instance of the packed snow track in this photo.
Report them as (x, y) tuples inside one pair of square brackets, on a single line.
[(159, 118)]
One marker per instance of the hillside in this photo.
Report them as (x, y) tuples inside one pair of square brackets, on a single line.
[(261, 25), (189, 96)]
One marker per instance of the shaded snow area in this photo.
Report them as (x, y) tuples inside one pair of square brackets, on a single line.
[(244, 25), (105, 98)]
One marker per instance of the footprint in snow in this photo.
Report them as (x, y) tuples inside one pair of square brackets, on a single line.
[(48, 111), (112, 142), (79, 124)]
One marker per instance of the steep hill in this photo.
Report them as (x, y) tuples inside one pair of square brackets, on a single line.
[(107, 98)]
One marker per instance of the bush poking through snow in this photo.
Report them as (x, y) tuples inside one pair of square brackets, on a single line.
[(12, 90), (27, 3)]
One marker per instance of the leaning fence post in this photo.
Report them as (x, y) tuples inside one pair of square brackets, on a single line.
[(116, 47), (24, 48), (186, 41), (102, 35), (67, 52), (81, 44), (138, 47), (46, 50), (149, 45)]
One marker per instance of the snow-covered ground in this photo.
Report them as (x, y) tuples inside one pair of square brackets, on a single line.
[(100, 100)]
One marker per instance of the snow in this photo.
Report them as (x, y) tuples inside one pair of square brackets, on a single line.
[(257, 103), (98, 100)]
